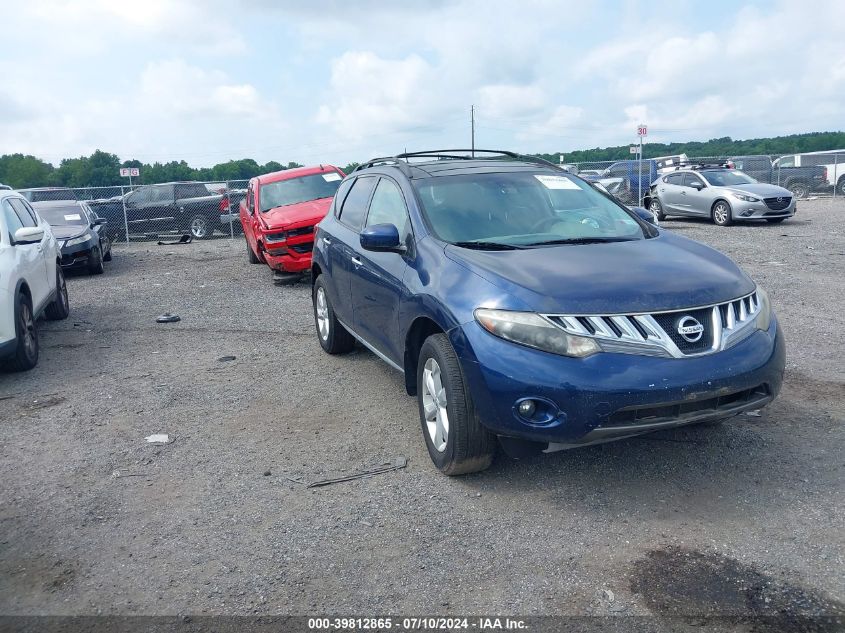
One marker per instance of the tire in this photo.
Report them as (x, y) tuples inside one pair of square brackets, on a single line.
[(253, 258), (840, 186), (721, 213), (107, 256), (799, 189), (775, 220), (657, 209), (333, 337), (26, 331), (95, 261), (457, 442), (60, 308), (200, 227)]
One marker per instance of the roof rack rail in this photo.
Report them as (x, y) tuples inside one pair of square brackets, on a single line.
[(401, 160), (697, 165)]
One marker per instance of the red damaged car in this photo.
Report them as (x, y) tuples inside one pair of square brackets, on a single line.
[(279, 213)]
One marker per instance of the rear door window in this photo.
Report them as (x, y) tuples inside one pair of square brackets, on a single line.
[(674, 179), (354, 207)]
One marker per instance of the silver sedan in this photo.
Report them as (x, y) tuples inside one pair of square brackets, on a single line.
[(724, 195)]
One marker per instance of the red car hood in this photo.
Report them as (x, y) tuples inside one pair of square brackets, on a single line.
[(281, 217)]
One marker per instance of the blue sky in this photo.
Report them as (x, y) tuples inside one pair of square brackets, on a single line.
[(324, 81)]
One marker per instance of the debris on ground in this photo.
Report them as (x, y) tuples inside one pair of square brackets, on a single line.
[(226, 359), (158, 438), (185, 239), (266, 473), (400, 462), (168, 318), (754, 413)]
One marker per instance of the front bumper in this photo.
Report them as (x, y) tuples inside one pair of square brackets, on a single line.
[(742, 210), (76, 255), (609, 395), (290, 256)]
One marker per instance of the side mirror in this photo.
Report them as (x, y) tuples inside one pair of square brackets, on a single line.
[(29, 235), (381, 237), (697, 185), (100, 221), (645, 214)]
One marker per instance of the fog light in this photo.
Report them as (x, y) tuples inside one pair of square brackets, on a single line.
[(527, 408)]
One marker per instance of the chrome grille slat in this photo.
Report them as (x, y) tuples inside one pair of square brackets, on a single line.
[(642, 334)]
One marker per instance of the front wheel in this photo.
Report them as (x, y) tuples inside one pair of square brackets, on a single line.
[(95, 261), (657, 209), (200, 228), (60, 308), (799, 189), (457, 442), (722, 213), (253, 258), (333, 337), (841, 186), (26, 333)]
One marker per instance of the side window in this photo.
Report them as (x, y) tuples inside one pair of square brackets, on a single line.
[(388, 206), (250, 199), (13, 222), (619, 170), (142, 195), (691, 180), (27, 216), (340, 195), (674, 179), (355, 206), (786, 161)]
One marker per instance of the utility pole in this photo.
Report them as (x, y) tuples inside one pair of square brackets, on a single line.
[(472, 127)]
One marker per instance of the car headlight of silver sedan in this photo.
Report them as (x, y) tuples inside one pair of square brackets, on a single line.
[(77, 240), (745, 197), (528, 328)]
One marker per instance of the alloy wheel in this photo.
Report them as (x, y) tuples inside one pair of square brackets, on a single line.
[(720, 213), (322, 314), (435, 405), (28, 329), (199, 228), (63, 291)]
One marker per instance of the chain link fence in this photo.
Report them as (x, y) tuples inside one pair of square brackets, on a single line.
[(815, 174)]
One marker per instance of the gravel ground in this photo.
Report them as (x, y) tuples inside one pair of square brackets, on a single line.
[(741, 519)]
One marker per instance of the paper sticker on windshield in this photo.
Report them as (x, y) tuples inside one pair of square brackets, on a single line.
[(331, 177), (557, 182), (72, 217)]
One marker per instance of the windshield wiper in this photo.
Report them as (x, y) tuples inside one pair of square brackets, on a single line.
[(487, 246), (583, 240)]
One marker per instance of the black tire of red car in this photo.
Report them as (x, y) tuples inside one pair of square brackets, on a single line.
[(775, 220), (26, 331), (200, 227), (253, 258), (721, 213), (334, 338), (95, 261), (59, 309), (469, 446), (657, 209), (799, 189)]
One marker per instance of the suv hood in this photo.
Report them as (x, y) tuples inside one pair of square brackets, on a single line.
[(762, 189), (668, 272), (281, 217)]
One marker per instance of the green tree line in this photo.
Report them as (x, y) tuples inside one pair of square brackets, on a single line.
[(101, 169)]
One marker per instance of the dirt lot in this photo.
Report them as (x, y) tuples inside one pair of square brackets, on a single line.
[(746, 518)]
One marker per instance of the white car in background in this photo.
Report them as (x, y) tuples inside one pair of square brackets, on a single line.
[(31, 280)]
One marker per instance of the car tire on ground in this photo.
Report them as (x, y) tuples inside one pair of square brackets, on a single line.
[(657, 209), (107, 256), (333, 337), (26, 331), (95, 261), (200, 227), (775, 220), (457, 442), (841, 186), (253, 258), (721, 213), (799, 189), (60, 308)]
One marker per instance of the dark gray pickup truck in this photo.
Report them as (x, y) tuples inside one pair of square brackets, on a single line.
[(799, 180), (184, 207)]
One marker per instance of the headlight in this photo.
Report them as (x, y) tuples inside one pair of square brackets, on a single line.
[(527, 328), (764, 317), (746, 198), (275, 237), (77, 240)]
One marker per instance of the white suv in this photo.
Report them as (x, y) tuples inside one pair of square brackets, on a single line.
[(31, 280)]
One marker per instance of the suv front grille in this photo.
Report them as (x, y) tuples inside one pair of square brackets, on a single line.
[(778, 204), (674, 334)]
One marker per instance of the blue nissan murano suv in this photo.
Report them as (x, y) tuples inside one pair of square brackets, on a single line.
[(527, 308)]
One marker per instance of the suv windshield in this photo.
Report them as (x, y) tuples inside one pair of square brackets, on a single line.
[(727, 177), (57, 216), (296, 190), (520, 209)]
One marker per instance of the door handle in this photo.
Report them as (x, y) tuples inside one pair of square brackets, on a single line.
[(356, 261), (327, 241)]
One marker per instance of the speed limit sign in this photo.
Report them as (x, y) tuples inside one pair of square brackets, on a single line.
[(642, 129)]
